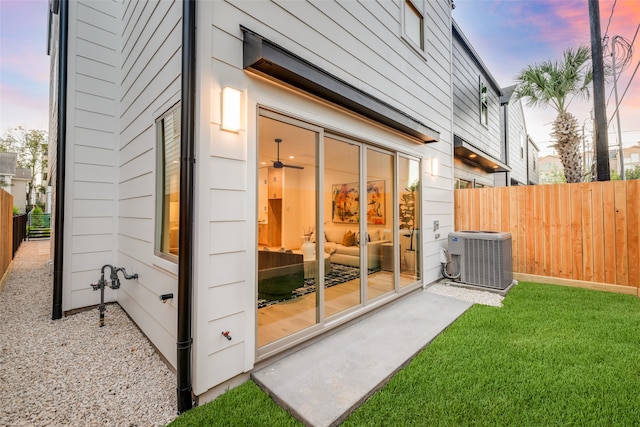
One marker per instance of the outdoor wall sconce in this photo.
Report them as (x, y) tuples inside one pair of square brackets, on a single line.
[(231, 104), (434, 166)]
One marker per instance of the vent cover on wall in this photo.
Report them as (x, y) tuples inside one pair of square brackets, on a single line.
[(483, 258)]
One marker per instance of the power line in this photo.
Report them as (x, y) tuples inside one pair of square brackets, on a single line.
[(625, 90), (628, 47), (625, 58), (609, 23)]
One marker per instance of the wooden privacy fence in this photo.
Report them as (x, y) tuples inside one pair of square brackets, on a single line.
[(6, 234), (587, 232)]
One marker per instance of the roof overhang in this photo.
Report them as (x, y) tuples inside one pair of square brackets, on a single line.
[(473, 156), (267, 58)]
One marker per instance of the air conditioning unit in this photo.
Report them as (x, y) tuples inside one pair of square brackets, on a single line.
[(483, 258)]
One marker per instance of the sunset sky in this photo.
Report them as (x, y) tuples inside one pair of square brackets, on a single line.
[(511, 34), (508, 35)]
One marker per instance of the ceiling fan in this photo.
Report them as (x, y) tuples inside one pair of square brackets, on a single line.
[(277, 164)]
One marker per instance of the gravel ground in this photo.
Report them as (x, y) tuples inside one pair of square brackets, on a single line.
[(471, 295), (71, 371)]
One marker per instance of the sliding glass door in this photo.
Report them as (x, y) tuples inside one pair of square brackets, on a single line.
[(342, 218), (288, 267), (378, 246), (409, 213), (337, 228)]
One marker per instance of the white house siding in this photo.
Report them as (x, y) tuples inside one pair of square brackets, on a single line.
[(517, 129), (150, 62), (466, 121), (358, 42), (534, 167), (92, 89)]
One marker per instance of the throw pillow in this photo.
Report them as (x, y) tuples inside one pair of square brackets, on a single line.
[(349, 239)]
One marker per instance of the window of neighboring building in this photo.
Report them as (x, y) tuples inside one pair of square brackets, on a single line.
[(484, 104), (635, 157), (521, 145), (168, 184), (413, 22), (462, 183)]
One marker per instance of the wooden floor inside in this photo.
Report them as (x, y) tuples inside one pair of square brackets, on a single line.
[(287, 317)]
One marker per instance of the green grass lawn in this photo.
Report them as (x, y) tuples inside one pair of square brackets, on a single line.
[(551, 356)]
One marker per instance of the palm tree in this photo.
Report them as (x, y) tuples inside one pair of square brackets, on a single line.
[(556, 84)]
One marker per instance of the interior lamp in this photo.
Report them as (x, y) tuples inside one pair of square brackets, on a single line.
[(231, 109), (434, 166)]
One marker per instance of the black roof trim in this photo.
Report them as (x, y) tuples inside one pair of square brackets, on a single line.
[(266, 57)]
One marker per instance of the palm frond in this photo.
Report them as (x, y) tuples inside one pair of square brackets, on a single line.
[(556, 83)]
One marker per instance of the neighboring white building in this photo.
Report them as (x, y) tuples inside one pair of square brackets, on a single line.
[(19, 188), (356, 95), (8, 166), (14, 180)]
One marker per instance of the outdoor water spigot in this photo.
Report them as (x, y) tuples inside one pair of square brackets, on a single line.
[(226, 335), (114, 284)]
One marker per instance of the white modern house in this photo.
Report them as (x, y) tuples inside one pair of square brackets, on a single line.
[(269, 170)]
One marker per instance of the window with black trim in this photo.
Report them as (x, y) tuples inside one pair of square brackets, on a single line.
[(168, 184), (413, 22), (484, 104)]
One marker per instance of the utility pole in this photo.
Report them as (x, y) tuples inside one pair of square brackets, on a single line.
[(599, 106)]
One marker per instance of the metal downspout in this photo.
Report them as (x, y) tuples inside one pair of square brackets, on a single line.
[(58, 244), (185, 245)]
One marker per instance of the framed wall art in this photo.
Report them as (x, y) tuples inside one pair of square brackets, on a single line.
[(346, 199)]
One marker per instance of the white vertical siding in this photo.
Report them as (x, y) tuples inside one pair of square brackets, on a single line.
[(517, 130), (150, 85), (91, 143), (360, 43), (534, 166), (124, 72)]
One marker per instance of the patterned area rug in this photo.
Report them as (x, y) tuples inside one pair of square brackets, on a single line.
[(339, 274)]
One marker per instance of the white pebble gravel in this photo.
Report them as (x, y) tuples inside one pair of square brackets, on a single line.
[(465, 294), (71, 371)]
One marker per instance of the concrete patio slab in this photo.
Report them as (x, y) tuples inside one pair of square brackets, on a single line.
[(321, 384)]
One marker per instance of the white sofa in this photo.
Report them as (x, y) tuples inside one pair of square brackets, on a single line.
[(350, 255)]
